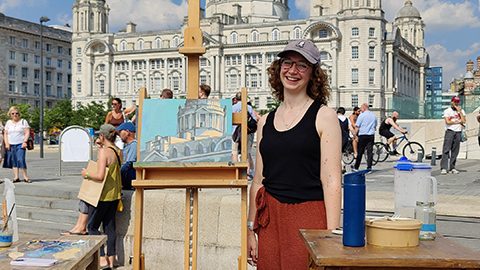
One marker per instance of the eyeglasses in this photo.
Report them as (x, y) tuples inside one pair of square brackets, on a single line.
[(114, 104), (15, 113), (301, 66)]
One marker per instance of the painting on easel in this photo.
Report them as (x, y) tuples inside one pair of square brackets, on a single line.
[(186, 130)]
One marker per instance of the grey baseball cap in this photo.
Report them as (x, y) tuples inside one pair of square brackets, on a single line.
[(105, 129), (304, 47)]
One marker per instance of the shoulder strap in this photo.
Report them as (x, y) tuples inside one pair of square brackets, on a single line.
[(116, 154)]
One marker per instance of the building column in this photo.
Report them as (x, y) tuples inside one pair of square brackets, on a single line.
[(334, 86), (264, 71), (390, 71), (130, 76), (216, 70), (243, 71), (222, 79)]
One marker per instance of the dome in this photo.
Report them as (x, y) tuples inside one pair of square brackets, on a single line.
[(408, 11), (469, 75)]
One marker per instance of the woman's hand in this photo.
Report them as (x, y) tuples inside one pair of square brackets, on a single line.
[(252, 248), (7, 146), (24, 145), (84, 173)]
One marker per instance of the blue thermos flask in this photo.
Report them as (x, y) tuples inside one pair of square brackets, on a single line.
[(354, 209)]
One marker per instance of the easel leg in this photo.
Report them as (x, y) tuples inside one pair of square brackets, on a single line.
[(138, 233), (191, 228)]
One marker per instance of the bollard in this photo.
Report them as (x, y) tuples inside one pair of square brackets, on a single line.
[(419, 156), (434, 156)]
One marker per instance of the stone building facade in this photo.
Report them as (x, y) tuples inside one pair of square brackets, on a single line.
[(368, 59), (20, 63)]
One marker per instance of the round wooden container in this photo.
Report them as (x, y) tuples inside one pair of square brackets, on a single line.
[(393, 233)]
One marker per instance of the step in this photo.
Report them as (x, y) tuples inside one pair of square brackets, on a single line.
[(41, 227), (61, 191), (48, 215), (47, 203)]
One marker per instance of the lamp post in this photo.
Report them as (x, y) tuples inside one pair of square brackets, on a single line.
[(42, 20)]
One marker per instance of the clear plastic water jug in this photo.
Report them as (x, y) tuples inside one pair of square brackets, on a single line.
[(412, 182)]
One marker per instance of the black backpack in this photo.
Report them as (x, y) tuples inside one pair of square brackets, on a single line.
[(251, 124)]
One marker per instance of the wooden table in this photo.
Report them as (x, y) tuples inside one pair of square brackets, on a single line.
[(83, 256), (326, 251)]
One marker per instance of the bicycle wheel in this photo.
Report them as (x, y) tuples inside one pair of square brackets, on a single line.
[(411, 150), (348, 156), (382, 152)]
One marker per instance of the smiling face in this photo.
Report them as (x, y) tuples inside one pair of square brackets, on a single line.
[(295, 73), (15, 115)]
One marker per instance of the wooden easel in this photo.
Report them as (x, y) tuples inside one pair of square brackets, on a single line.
[(189, 175)]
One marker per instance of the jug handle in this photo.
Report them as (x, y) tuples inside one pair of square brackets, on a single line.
[(434, 188)]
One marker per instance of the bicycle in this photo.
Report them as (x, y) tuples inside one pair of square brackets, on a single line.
[(410, 150), (348, 155)]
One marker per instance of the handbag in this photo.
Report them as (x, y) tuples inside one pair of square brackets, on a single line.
[(464, 135), (30, 144)]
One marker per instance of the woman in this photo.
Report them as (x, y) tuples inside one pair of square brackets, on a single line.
[(105, 212), (297, 181), (17, 132), (353, 119), (2, 148), (117, 116)]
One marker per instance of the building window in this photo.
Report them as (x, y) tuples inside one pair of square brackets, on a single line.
[(371, 76), (140, 44), (79, 86), (158, 43), (37, 45), (101, 86), (323, 33), (354, 75), (49, 104), (36, 74), (24, 72), (354, 52), (257, 102), (36, 89), (11, 70), (60, 49), (368, 4), (371, 52), (297, 33), (371, 100), (123, 45), (356, 3), (371, 32), (233, 81), (254, 36), (69, 78), (275, 34), (12, 55), (203, 79), (176, 83), (69, 65), (69, 92), (59, 63), (439, 69), (59, 77), (59, 92), (79, 51), (12, 40), (175, 41), (79, 67), (49, 47), (324, 56), (48, 90), (69, 51), (24, 87), (36, 59), (354, 100), (49, 61), (405, 33), (48, 76), (355, 32), (11, 86), (25, 57), (233, 37)]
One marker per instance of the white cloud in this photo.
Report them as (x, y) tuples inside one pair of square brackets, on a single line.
[(64, 18), (304, 7), (147, 14), (453, 63), (10, 4), (438, 15)]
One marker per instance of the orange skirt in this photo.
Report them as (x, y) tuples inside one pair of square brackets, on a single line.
[(277, 225)]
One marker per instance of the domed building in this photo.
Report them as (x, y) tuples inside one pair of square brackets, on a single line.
[(368, 59)]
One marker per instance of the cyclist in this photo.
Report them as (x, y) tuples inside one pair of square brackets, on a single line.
[(353, 119), (384, 130)]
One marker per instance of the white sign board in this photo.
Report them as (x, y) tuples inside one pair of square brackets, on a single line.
[(75, 144)]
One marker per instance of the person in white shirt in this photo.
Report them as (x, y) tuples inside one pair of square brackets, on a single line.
[(17, 132), (454, 121)]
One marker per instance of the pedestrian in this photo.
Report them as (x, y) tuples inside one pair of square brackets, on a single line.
[(105, 212), (16, 134), (353, 119), (118, 116), (454, 120), (365, 127), (297, 181), (126, 131), (204, 91), (345, 127), (478, 120), (2, 145)]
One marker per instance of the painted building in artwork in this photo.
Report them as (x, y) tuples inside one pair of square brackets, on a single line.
[(20, 63), (369, 60)]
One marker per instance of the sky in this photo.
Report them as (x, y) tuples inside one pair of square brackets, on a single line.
[(451, 35)]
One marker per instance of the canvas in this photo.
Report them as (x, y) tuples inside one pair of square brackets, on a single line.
[(186, 130)]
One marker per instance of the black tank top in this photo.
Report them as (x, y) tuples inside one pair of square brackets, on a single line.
[(291, 159), (344, 129), (384, 126)]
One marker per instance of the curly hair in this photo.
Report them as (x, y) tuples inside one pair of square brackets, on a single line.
[(318, 88)]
